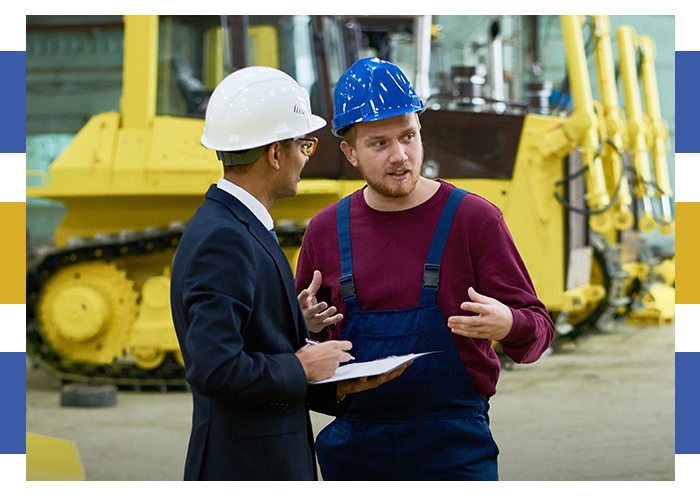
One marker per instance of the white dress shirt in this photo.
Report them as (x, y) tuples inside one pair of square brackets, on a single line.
[(249, 201)]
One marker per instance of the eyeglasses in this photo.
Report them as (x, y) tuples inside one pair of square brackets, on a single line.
[(308, 145)]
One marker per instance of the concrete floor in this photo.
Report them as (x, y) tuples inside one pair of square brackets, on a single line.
[(599, 409)]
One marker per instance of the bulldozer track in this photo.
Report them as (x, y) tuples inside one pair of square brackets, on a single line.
[(102, 248)]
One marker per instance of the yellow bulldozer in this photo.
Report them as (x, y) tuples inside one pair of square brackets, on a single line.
[(98, 301)]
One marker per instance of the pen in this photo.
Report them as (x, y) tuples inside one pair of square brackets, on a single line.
[(315, 342)]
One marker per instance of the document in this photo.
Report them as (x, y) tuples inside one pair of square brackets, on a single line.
[(371, 368)]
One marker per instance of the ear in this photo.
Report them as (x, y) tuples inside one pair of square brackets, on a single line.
[(349, 152), (273, 155)]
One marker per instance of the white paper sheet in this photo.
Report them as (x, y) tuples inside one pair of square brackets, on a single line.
[(371, 368)]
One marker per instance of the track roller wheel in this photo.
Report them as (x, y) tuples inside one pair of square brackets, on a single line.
[(148, 358), (87, 310)]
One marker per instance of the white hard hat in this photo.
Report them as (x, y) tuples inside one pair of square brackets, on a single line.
[(256, 106)]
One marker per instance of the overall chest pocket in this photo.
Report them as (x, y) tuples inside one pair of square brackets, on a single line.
[(414, 382)]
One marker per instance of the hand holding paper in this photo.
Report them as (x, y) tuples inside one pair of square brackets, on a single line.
[(354, 385), (371, 368)]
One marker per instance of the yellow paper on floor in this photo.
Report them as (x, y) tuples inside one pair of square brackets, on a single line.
[(53, 459)]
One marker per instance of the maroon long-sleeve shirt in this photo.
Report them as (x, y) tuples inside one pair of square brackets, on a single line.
[(389, 250)]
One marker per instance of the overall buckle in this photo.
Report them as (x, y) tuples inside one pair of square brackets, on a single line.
[(347, 286), (431, 275)]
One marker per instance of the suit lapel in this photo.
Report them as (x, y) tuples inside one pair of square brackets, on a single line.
[(271, 246)]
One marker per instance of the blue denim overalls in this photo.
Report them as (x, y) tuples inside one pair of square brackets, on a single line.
[(428, 424)]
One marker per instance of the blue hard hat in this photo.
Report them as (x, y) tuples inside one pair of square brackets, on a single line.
[(371, 90)]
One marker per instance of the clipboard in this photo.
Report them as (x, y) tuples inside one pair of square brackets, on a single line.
[(371, 368)]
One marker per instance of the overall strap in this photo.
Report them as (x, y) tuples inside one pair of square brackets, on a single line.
[(431, 271), (347, 282)]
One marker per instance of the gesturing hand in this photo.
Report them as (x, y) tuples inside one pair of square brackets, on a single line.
[(493, 322), (316, 314)]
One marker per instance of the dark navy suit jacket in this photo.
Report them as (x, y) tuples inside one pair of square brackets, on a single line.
[(239, 323)]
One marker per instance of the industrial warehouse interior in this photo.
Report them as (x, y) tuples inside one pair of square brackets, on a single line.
[(565, 123)]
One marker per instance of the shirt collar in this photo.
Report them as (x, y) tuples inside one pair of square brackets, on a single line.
[(252, 203)]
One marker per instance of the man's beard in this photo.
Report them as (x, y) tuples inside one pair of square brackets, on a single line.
[(391, 188)]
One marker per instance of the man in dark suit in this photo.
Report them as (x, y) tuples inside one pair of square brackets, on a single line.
[(234, 304)]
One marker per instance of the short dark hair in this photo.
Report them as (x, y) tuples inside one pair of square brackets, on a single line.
[(348, 134), (231, 167)]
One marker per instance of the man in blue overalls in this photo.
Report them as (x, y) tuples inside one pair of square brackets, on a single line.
[(408, 265)]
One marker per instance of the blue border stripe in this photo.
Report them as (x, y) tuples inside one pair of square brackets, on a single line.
[(13, 88), (13, 403), (687, 403), (687, 103)]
